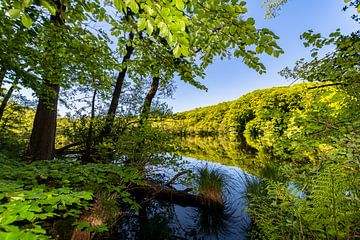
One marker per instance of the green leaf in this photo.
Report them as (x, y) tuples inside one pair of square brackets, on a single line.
[(118, 5), (26, 20), (177, 51), (26, 3), (14, 13), (149, 27), (48, 6), (180, 4), (133, 6), (185, 50), (164, 31), (141, 24)]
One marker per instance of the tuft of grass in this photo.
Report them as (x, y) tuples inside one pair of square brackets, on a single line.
[(211, 183)]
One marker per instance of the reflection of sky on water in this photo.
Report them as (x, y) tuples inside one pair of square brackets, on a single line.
[(235, 220), (191, 223)]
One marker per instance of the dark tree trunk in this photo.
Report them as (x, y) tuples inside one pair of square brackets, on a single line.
[(117, 91), (42, 139), (143, 117), (148, 99), (7, 97), (89, 140)]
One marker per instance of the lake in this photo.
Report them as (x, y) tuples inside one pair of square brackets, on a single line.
[(164, 220)]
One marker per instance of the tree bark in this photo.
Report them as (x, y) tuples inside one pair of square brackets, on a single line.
[(148, 99), (117, 91), (42, 139), (7, 97)]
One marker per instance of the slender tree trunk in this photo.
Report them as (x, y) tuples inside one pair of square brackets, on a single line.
[(42, 139), (143, 117), (117, 91), (89, 140), (148, 99), (7, 97)]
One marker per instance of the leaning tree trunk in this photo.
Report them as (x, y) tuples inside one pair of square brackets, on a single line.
[(42, 139), (7, 97), (143, 117), (89, 139), (148, 100), (110, 117)]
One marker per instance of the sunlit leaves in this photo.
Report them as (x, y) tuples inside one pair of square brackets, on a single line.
[(149, 27), (19, 8), (141, 24), (180, 4), (14, 13), (133, 5), (177, 51), (48, 6), (26, 20), (118, 5), (164, 31)]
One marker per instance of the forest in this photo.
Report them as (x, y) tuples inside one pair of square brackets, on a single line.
[(111, 167)]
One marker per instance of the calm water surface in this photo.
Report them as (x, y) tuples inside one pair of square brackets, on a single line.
[(169, 221)]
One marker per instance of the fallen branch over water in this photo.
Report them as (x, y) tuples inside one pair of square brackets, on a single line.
[(179, 197)]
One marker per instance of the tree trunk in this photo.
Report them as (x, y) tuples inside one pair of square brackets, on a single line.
[(89, 140), (42, 139), (117, 91), (179, 197), (148, 100), (7, 97)]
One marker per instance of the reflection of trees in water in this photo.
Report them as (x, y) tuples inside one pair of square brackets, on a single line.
[(154, 221), (227, 151), (161, 222), (214, 223)]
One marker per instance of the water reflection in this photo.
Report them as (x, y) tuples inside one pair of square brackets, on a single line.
[(163, 220), (224, 150)]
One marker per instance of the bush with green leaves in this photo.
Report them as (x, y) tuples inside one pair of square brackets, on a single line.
[(40, 192), (324, 207)]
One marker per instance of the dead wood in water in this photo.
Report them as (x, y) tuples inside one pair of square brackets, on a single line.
[(179, 197)]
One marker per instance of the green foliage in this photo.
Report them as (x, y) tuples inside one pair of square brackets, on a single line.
[(15, 128), (307, 144), (221, 149), (282, 123), (326, 209), (35, 193), (324, 132)]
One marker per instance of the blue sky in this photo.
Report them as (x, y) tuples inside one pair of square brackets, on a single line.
[(229, 79)]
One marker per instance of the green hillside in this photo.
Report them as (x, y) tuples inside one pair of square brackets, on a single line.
[(287, 122)]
